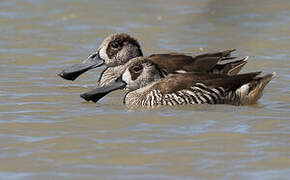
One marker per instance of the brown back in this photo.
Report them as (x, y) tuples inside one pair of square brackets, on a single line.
[(173, 62), (176, 82)]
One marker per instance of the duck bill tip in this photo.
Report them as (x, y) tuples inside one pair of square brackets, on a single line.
[(74, 71), (98, 93)]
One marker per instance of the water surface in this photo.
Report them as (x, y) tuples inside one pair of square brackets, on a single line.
[(48, 132)]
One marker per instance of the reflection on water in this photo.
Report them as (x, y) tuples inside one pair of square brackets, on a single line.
[(48, 132)]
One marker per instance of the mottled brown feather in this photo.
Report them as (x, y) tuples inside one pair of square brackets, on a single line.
[(119, 39)]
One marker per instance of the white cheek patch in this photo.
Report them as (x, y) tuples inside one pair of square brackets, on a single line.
[(127, 77), (103, 53)]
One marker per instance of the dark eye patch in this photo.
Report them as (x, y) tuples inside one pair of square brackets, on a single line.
[(115, 45), (135, 71), (137, 68), (113, 48)]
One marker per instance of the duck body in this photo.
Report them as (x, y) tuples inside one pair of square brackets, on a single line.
[(191, 88)]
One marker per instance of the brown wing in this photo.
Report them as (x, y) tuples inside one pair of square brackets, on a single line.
[(176, 82), (226, 53), (180, 62)]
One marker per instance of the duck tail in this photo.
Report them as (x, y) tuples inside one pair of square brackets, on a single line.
[(231, 68), (251, 92), (236, 66)]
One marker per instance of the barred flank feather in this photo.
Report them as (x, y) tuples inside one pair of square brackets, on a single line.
[(197, 94)]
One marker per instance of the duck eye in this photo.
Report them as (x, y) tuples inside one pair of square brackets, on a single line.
[(115, 45), (137, 68)]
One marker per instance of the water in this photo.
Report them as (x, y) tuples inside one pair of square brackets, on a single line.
[(48, 132)]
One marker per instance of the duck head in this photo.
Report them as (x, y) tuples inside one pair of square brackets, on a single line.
[(115, 50), (138, 72)]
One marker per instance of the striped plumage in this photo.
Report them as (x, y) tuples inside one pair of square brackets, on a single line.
[(150, 89), (199, 92), (118, 49), (194, 95)]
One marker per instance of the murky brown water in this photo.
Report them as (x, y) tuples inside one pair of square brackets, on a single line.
[(48, 132)]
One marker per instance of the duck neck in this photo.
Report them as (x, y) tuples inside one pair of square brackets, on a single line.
[(138, 96), (110, 74)]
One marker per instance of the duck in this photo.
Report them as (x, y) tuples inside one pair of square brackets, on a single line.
[(119, 48), (149, 88)]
